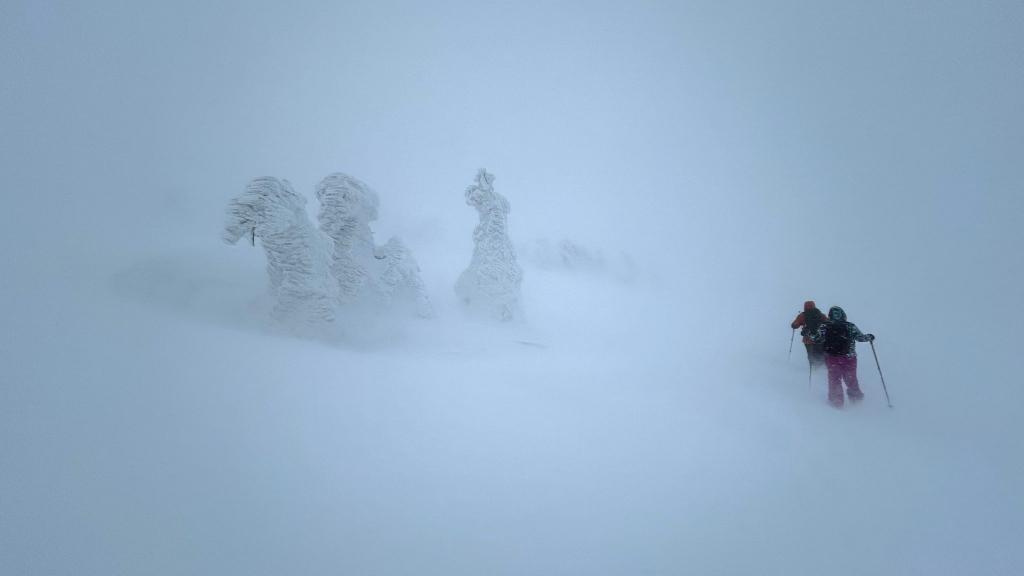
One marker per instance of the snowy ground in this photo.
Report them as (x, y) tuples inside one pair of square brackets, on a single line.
[(164, 428)]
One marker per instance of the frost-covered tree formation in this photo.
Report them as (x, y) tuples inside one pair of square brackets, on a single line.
[(492, 281), (400, 277), (564, 254), (298, 255), (347, 206), (570, 256), (363, 271)]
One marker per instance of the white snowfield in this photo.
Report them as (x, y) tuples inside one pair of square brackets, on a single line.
[(641, 437), (492, 281)]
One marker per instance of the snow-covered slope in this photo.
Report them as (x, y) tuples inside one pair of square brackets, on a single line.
[(152, 424)]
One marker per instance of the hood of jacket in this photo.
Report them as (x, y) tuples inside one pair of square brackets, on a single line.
[(836, 314), (809, 305)]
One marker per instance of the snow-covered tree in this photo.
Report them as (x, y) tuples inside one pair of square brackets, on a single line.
[(298, 255), (400, 277), (365, 272), (569, 256), (492, 281), (562, 255), (347, 206)]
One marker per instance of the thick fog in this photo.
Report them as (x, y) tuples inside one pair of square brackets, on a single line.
[(681, 176)]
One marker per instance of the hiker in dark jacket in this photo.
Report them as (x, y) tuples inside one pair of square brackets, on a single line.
[(839, 339), (808, 322)]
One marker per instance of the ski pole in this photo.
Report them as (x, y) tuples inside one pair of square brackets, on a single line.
[(810, 369), (886, 390), (791, 336)]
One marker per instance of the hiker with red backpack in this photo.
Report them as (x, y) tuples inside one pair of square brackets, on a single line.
[(808, 321), (839, 340)]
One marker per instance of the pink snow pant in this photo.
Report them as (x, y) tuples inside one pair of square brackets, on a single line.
[(842, 369)]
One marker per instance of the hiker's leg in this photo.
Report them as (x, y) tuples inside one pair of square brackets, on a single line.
[(850, 376), (835, 375)]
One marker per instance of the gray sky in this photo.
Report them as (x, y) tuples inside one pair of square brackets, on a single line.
[(716, 133)]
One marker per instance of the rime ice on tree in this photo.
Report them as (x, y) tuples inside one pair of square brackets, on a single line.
[(492, 281), (298, 255), (400, 277), (363, 271), (347, 206)]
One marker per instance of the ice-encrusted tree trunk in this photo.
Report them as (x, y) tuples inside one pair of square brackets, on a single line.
[(298, 255), (492, 281), (365, 272)]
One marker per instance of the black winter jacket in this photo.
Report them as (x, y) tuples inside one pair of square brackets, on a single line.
[(837, 321)]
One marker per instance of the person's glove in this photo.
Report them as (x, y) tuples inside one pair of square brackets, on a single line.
[(871, 337)]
